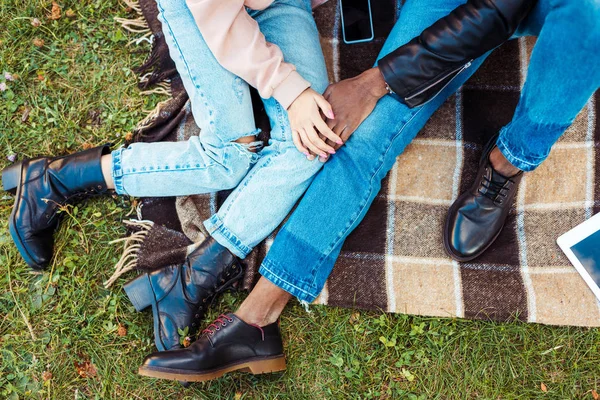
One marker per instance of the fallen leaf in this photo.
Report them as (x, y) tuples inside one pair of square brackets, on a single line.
[(37, 42), (46, 376), (238, 396), (25, 114), (36, 22), (55, 13), (354, 317), (595, 394), (129, 136), (70, 13), (86, 369), (86, 146), (187, 341), (543, 387), (122, 331)]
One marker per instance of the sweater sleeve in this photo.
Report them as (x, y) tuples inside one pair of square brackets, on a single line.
[(237, 43)]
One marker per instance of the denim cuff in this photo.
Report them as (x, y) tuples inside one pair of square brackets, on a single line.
[(117, 171), (518, 161), (285, 282), (217, 229)]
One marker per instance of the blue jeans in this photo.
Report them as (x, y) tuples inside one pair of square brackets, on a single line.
[(563, 74), (267, 184)]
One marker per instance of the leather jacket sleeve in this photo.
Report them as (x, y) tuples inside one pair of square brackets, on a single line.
[(420, 69)]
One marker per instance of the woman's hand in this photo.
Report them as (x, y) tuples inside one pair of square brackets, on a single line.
[(353, 100), (308, 125)]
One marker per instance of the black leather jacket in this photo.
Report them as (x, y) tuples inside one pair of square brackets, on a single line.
[(420, 69)]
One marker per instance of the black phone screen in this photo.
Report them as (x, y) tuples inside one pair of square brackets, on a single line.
[(357, 20)]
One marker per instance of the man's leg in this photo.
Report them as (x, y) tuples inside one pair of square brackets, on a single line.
[(307, 246), (269, 191), (563, 74)]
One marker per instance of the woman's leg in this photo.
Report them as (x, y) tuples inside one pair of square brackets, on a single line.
[(267, 194), (221, 107)]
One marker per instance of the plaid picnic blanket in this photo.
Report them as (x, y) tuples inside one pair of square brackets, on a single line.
[(395, 261)]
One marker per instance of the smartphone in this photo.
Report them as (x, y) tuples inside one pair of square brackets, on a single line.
[(357, 21)]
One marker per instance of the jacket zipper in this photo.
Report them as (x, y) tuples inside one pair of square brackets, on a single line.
[(456, 71)]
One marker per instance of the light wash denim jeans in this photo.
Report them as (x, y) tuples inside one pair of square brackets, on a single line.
[(267, 184), (562, 75)]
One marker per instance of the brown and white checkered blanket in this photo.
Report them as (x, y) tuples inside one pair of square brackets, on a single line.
[(395, 260)]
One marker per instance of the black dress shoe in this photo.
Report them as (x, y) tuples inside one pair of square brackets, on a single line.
[(477, 217), (42, 186), (228, 344), (181, 295)]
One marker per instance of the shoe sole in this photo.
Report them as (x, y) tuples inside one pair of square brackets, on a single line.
[(255, 367), (11, 182)]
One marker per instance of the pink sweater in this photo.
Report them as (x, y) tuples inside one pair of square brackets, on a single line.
[(238, 45)]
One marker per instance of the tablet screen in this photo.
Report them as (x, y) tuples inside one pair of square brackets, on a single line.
[(587, 252)]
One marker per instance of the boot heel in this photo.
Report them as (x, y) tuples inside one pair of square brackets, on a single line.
[(11, 176), (266, 366), (139, 292)]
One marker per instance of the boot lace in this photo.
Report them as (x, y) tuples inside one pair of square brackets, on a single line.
[(218, 323), (219, 287)]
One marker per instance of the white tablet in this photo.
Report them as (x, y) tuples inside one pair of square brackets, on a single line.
[(582, 246)]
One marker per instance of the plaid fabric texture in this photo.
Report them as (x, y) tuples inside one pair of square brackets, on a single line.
[(404, 268), (395, 260)]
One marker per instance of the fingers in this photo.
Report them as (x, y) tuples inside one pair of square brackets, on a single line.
[(324, 106), (298, 143), (326, 131), (308, 142), (316, 140)]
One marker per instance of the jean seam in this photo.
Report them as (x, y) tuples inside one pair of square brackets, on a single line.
[(181, 54), (218, 226), (502, 146), (286, 282), (364, 201), (170, 170)]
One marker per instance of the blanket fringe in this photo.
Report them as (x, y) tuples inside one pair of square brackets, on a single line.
[(136, 25), (163, 87), (134, 5), (131, 247), (152, 114)]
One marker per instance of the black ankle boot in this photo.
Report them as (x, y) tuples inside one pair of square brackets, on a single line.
[(477, 217), (42, 186), (181, 295), (228, 344)]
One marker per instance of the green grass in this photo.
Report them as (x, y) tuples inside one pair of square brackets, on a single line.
[(88, 96)]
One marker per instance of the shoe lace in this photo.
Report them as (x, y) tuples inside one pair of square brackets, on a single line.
[(493, 189), (217, 324)]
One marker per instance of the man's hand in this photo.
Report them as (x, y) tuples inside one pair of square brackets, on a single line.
[(353, 100), (308, 126)]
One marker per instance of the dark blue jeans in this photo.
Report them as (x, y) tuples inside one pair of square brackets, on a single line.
[(564, 72)]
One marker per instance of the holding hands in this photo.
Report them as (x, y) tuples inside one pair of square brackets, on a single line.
[(352, 100), (309, 130)]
